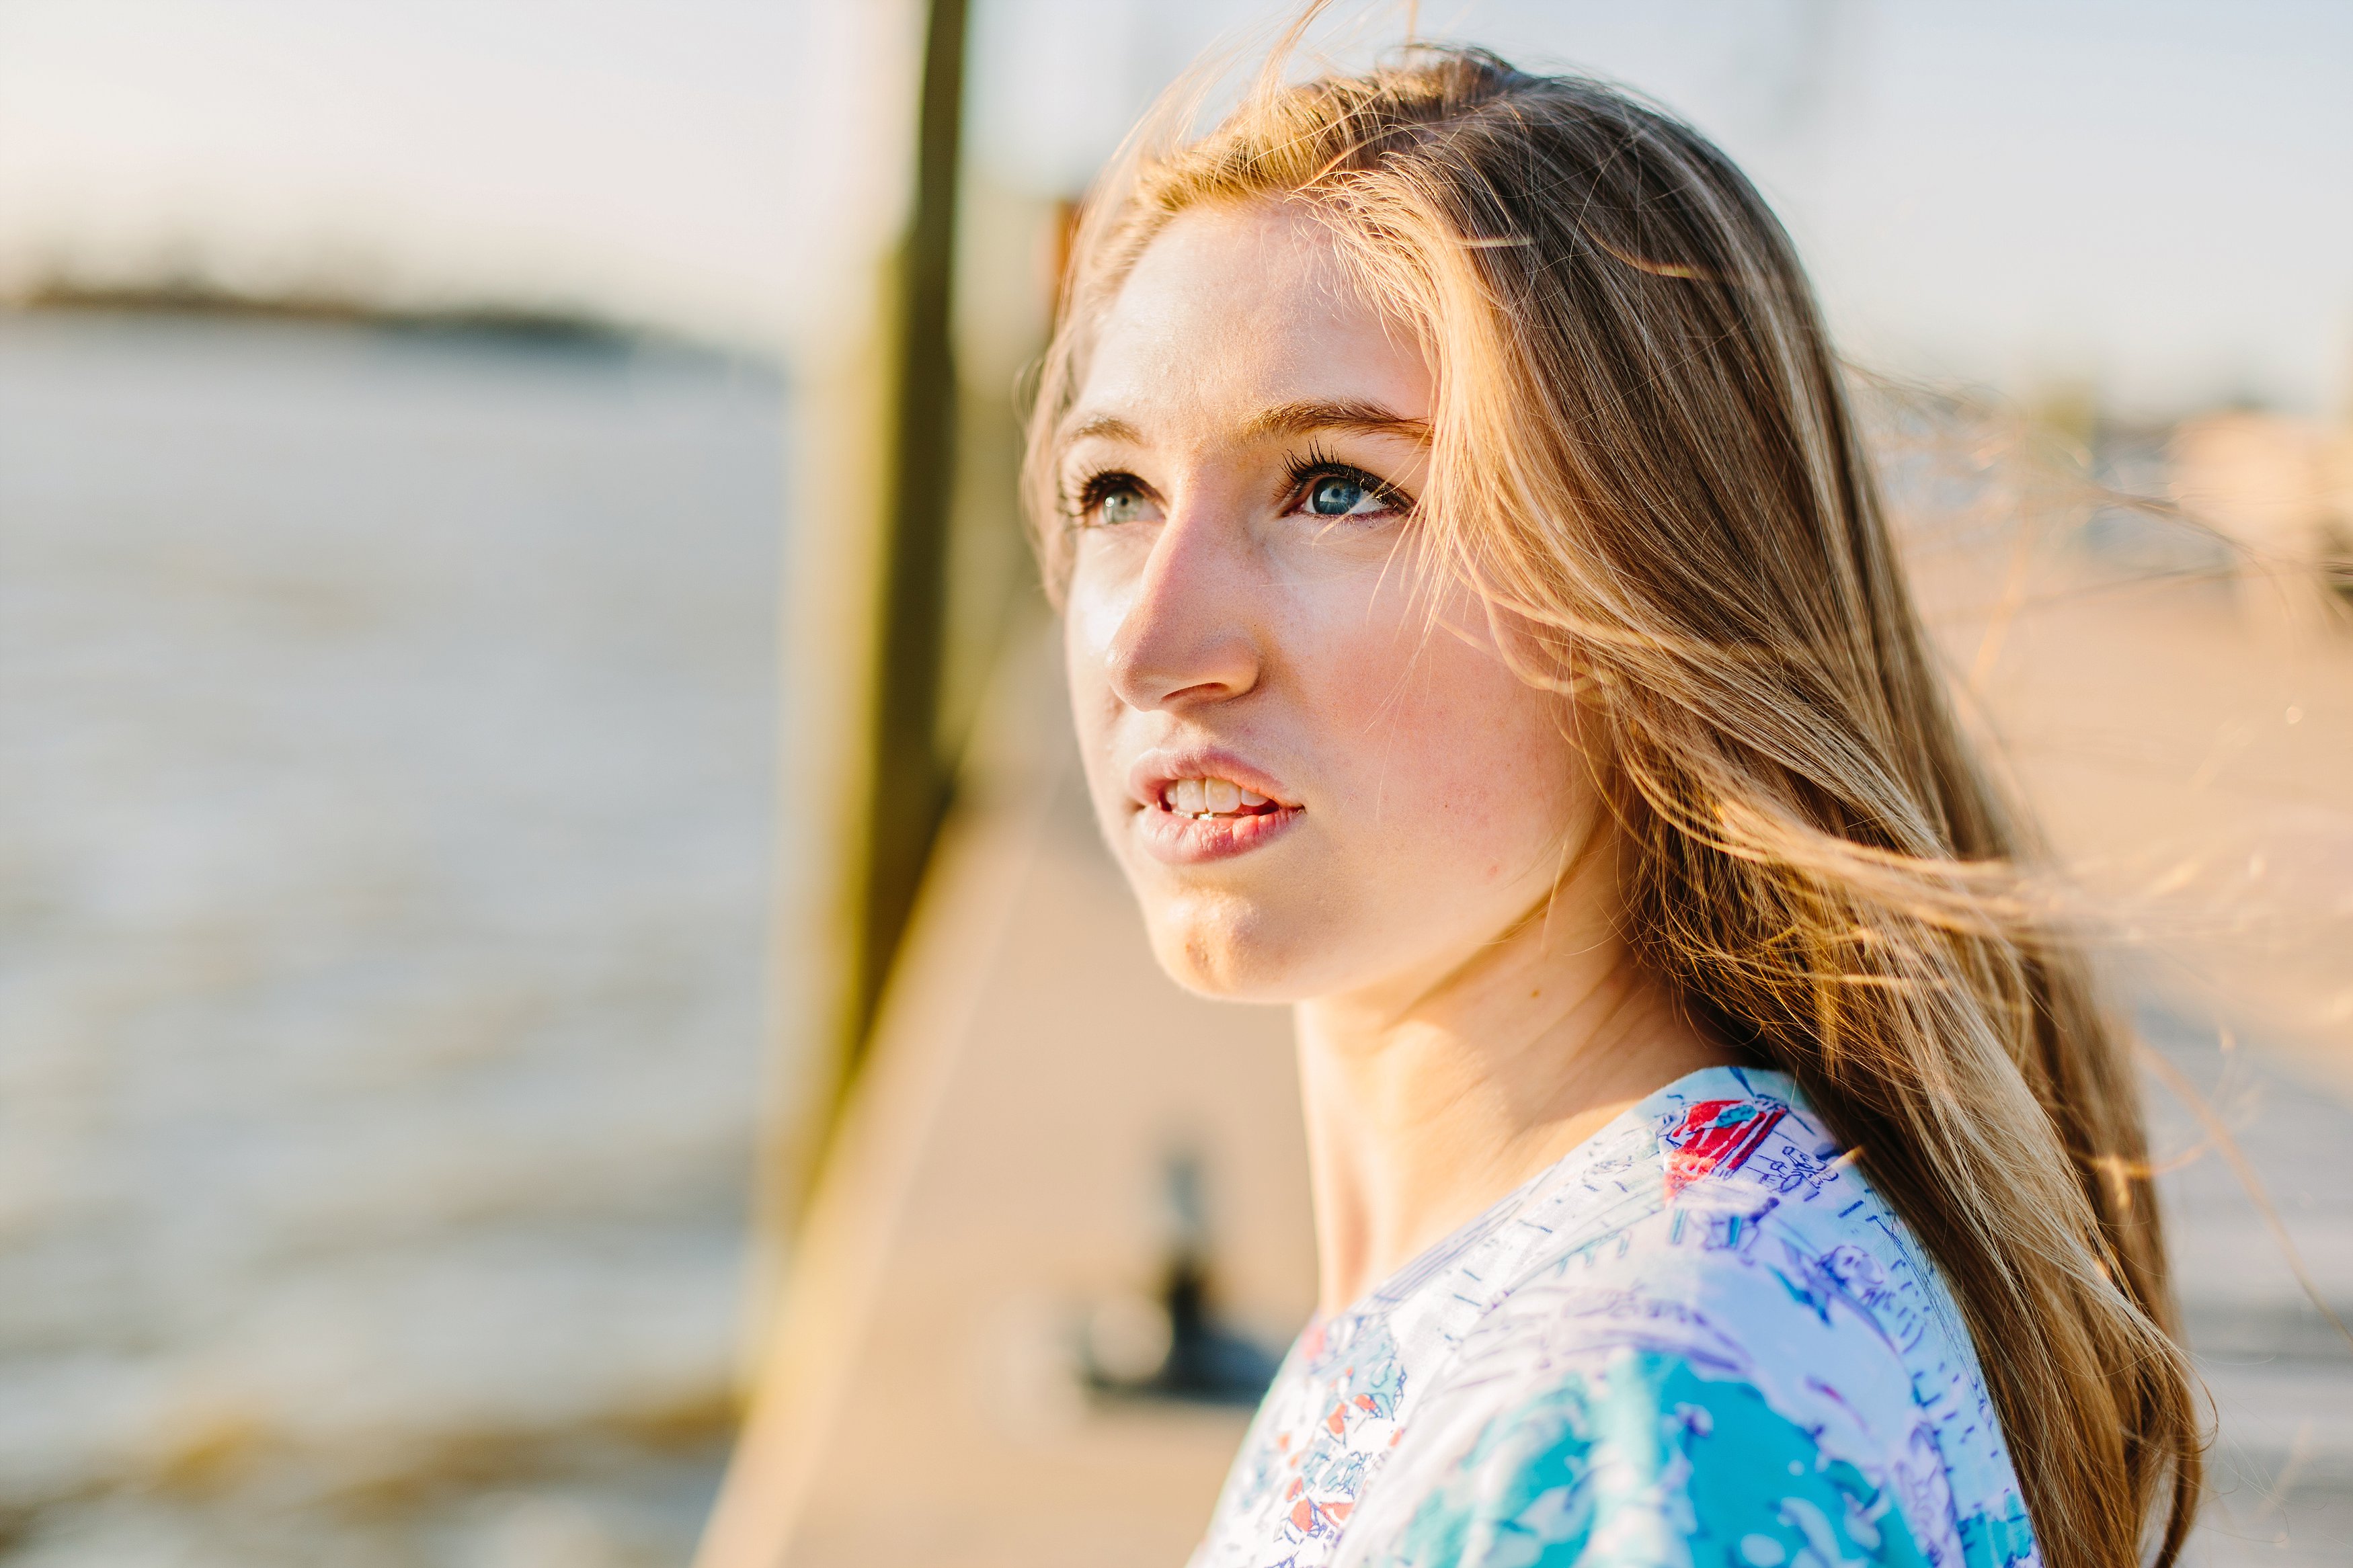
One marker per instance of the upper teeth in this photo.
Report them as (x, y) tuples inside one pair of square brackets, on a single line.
[(1210, 798)]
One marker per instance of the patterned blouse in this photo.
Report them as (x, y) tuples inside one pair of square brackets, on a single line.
[(1699, 1338)]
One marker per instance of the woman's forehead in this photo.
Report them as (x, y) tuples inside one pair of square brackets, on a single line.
[(1232, 315)]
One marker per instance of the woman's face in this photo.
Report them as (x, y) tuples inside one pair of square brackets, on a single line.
[(1313, 791)]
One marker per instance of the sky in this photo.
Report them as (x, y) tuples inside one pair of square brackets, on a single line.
[(2152, 201)]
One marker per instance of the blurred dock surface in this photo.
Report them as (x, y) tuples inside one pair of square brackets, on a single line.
[(998, 1200), (2280, 1372)]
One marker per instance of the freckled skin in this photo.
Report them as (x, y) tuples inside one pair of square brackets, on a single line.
[(1441, 798)]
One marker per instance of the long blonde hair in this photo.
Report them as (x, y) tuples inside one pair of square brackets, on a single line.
[(1645, 465)]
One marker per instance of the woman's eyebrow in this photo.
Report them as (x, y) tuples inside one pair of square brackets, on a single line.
[(1300, 418), (1102, 426)]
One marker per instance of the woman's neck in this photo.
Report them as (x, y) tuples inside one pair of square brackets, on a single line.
[(1427, 1102)]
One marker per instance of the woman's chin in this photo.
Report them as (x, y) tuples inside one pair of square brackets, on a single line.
[(1228, 952)]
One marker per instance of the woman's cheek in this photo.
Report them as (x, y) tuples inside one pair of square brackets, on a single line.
[(1092, 615), (1472, 774)]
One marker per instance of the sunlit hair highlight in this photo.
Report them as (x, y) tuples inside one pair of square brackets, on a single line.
[(1644, 464)]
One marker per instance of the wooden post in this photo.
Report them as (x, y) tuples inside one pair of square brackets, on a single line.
[(868, 782), (907, 776), (875, 394)]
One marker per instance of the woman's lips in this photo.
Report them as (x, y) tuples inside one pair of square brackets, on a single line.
[(1176, 839), (1205, 802)]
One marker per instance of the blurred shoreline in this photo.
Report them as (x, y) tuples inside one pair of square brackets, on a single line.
[(487, 321)]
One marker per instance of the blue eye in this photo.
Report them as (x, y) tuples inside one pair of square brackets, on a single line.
[(1121, 505), (1335, 496)]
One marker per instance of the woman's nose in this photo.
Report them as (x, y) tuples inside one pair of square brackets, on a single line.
[(1188, 637)]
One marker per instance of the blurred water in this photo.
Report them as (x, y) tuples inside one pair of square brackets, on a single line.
[(386, 761)]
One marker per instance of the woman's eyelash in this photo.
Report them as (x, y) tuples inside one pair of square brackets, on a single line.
[(1092, 490), (1317, 463)]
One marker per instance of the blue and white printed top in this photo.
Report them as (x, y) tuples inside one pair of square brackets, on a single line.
[(1699, 1338)]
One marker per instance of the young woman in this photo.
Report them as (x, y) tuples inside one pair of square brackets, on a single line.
[(1484, 639)]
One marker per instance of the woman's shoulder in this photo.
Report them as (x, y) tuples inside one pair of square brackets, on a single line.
[(1732, 1202), (1746, 1349)]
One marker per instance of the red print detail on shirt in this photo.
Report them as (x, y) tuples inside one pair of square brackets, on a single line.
[(1311, 1518), (1717, 1135)]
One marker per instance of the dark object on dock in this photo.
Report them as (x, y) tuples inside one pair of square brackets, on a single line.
[(1173, 1347)]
